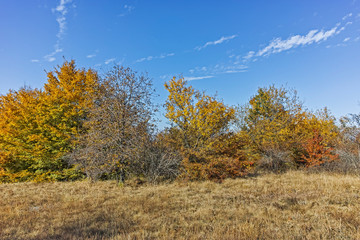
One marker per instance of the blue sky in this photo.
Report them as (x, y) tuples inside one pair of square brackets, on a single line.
[(228, 47)]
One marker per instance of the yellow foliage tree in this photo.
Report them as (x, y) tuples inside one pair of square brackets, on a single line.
[(38, 127), (17, 130), (198, 118), (201, 132)]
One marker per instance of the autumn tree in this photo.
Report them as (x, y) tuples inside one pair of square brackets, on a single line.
[(18, 131), (200, 124), (118, 125), (278, 127), (271, 117), (317, 151), (39, 127), (196, 116)]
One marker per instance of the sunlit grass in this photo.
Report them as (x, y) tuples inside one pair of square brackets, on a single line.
[(295, 205)]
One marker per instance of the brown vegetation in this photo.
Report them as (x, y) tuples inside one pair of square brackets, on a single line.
[(294, 205)]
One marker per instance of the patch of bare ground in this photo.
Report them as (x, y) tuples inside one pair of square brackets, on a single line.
[(295, 205)]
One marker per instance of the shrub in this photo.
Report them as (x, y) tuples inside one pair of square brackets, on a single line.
[(274, 160), (157, 163)]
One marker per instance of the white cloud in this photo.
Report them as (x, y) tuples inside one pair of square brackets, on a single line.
[(167, 76), (34, 60), (109, 60), (61, 11), (127, 9), (347, 16), (91, 55), (249, 55), (197, 78), (346, 39), (219, 41), (166, 55), (149, 58), (141, 59), (313, 36), (236, 71), (219, 69), (50, 57)]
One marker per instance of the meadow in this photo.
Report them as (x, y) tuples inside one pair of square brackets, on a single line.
[(293, 205)]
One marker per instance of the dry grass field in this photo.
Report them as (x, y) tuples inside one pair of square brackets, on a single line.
[(295, 205)]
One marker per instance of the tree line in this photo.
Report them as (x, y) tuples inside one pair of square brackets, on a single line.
[(83, 125)]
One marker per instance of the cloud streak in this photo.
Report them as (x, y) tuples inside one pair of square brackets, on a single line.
[(149, 58), (313, 36), (61, 10), (109, 60), (347, 16), (219, 69), (219, 41), (197, 78)]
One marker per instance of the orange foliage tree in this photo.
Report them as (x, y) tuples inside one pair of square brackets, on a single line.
[(316, 151)]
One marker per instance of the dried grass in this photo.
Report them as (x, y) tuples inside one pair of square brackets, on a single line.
[(294, 205)]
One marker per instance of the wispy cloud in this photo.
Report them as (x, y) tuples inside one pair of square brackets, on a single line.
[(149, 58), (93, 54), (127, 10), (197, 78), (219, 69), (219, 41), (313, 36), (249, 55), (347, 16), (346, 39), (61, 10), (35, 60), (109, 60), (236, 71), (50, 57)]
